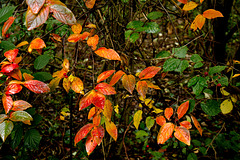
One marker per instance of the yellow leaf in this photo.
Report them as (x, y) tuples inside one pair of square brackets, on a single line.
[(62, 118), (236, 61), (107, 111), (22, 44), (235, 75), (234, 98), (226, 106), (189, 6), (116, 109), (66, 84), (224, 92), (157, 110), (54, 83), (137, 118)]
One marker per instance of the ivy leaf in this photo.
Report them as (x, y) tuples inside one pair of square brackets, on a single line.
[(165, 132), (83, 133), (137, 118), (35, 5), (182, 134), (6, 128)]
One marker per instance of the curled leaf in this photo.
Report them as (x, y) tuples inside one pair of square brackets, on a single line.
[(22, 44), (76, 28), (198, 22), (197, 125), (89, 3)]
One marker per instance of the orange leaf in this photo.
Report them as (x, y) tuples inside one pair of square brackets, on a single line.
[(201, 1), (54, 83), (182, 109), (108, 53), (35, 5), (83, 132), (160, 120), (98, 99), (197, 125), (56, 37), (13, 88), (142, 88), (37, 43), (93, 41), (36, 86), (149, 72), (96, 119), (7, 103), (11, 55), (22, 44), (183, 1), (77, 85), (165, 133), (107, 112), (186, 124), (129, 82), (105, 75), (151, 85), (168, 113), (116, 77), (89, 3), (212, 13), (7, 25), (105, 89), (65, 65), (27, 76), (17, 59), (189, 6), (16, 73), (20, 105), (66, 84), (111, 129), (182, 134), (76, 28), (76, 37), (60, 74), (92, 112), (198, 22), (86, 100)]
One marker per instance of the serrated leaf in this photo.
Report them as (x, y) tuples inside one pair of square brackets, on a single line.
[(211, 107), (196, 58), (35, 5), (182, 109), (197, 125), (105, 75), (180, 52), (198, 65), (42, 76), (108, 54), (154, 15), (36, 86), (168, 112), (160, 120), (182, 134), (182, 66), (137, 118), (216, 69), (149, 72), (226, 106), (6, 12), (212, 13), (163, 54), (116, 77), (165, 132), (149, 122), (6, 128), (82, 133), (41, 61), (111, 129), (190, 6), (133, 37), (171, 64), (105, 89), (128, 82), (32, 139)]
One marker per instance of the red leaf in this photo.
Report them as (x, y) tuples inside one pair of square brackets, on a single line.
[(20, 105), (197, 125), (93, 41), (212, 13), (7, 103), (182, 134), (129, 82), (13, 88), (105, 89), (83, 132), (168, 113), (35, 5), (182, 109), (7, 25), (92, 112), (149, 72), (160, 120), (91, 144), (11, 54), (36, 86), (86, 100), (98, 99), (96, 119), (9, 68), (105, 75), (37, 43), (183, 1), (165, 133), (186, 124), (142, 88), (108, 53), (35, 20), (16, 73), (76, 37), (116, 77)]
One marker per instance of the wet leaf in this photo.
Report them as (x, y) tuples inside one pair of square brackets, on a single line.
[(111, 129), (226, 106), (160, 120), (165, 133), (116, 77), (137, 118), (168, 112), (190, 6), (7, 25), (196, 124), (182, 134), (20, 116), (149, 72), (105, 75), (108, 53), (211, 14), (13, 88), (83, 133), (20, 105), (105, 89), (186, 124), (56, 37), (182, 109), (7, 103), (93, 41), (35, 5), (128, 82), (142, 88), (36, 86), (6, 128)]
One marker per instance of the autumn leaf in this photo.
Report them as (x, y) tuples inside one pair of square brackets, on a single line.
[(76, 37), (23, 43), (20, 116), (104, 75), (96, 119), (168, 112), (66, 84), (137, 118), (20, 105), (108, 53), (65, 65), (35, 5), (116, 77), (105, 89), (107, 112), (93, 41), (37, 43), (76, 28), (129, 82), (36, 86), (6, 128), (149, 72), (182, 134), (9, 68), (142, 88), (160, 120), (183, 1), (13, 88), (190, 6), (89, 3), (198, 22), (7, 25), (182, 109), (165, 132), (211, 14), (27, 77), (98, 99), (111, 129), (11, 55), (197, 125), (3, 117), (186, 124), (226, 106), (16, 73), (56, 37), (151, 85), (54, 83), (7, 103), (77, 85), (86, 100), (83, 133)]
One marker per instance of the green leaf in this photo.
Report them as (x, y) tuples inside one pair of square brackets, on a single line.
[(137, 118), (211, 107), (6, 12), (125, 1), (180, 52), (203, 150), (32, 139), (223, 80), (191, 106), (134, 24), (133, 37), (182, 66), (151, 27), (171, 64), (192, 156), (6, 128), (216, 69), (149, 122), (200, 85), (17, 137), (163, 54), (196, 58), (196, 142), (198, 65), (141, 133), (42, 76), (193, 81), (3, 117), (41, 61), (128, 33), (20, 116), (154, 15), (6, 45)]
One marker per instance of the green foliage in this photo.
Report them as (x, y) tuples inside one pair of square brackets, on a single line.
[(32, 139), (41, 61), (6, 12)]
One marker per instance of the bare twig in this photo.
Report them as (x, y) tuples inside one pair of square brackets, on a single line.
[(125, 148)]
